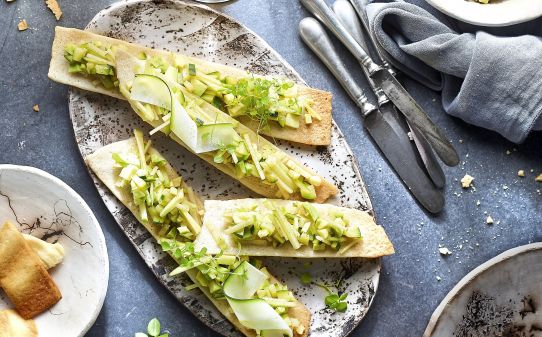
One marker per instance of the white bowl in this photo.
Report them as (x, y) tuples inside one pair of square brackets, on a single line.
[(42, 205), (494, 14)]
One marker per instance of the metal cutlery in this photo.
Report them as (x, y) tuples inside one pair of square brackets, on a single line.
[(384, 129), (393, 89), (349, 18)]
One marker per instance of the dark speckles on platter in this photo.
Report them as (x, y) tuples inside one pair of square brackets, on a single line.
[(199, 31)]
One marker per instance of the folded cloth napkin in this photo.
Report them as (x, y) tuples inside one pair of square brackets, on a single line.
[(489, 81)]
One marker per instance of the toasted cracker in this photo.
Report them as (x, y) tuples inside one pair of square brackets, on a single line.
[(55, 8), (51, 254), (13, 325), (23, 275), (374, 243), (103, 166), (317, 133)]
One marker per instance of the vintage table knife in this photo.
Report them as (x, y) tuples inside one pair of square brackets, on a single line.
[(349, 18), (393, 89), (386, 132)]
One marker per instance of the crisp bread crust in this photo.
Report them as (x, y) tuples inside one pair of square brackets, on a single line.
[(23, 275), (317, 133), (102, 164), (374, 243)]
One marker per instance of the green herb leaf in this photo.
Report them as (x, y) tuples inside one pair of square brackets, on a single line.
[(141, 334), (305, 278), (154, 327), (191, 69)]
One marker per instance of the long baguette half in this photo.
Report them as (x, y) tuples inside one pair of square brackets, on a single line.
[(316, 133), (374, 242)]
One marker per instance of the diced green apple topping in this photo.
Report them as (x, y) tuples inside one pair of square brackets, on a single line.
[(161, 200), (300, 225), (265, 100)]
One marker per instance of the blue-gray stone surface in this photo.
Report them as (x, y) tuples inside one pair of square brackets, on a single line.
[(409, 288)]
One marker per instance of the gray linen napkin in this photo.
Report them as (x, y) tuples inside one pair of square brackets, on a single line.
[(489, 81)]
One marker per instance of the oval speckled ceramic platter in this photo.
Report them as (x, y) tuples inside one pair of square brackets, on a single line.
[(43, 206), (501, 297), (202, 32)]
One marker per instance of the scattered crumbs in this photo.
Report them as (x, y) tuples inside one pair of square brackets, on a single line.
[(467, 180), (55, 8), (22, 25), (10, 0), (477, 202), (444, 251), (461, 141), (36, 108), (532, 170), (439, 278), (508, 152), (505, 187), (409, 134), (521, 173), (539, 178), (489, 220)]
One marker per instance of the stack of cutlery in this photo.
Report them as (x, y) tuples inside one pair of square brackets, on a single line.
[(401, 129)]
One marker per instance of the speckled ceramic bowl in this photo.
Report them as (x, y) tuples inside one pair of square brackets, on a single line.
[(45, 207), (502, 297), (200, 31)]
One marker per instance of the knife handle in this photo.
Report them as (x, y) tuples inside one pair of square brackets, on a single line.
[(348, 17), (320, 9), (360, 6), (316, 38)]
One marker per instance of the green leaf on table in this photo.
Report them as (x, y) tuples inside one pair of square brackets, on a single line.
[(154, 327), (141, 334)]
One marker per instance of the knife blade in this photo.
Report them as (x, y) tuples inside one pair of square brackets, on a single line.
[(393, 89), (349, 18), (392, 141)]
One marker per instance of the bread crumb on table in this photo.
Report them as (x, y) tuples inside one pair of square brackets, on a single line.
[(466, 181), (521, 173), (36, 108), (55, 8), (539, 178), (22, 25), (489, 220)]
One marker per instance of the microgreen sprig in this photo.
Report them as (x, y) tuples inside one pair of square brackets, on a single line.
[(334, 300), (153, 330)]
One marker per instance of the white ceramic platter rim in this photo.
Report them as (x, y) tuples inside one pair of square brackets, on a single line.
[(200, 31), (496, 14), (471, 277), (95, 249)]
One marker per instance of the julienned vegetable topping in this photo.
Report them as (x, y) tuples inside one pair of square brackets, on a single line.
[(300, 225), (160, 200), (257, 302), (247, 286), (266, 100)]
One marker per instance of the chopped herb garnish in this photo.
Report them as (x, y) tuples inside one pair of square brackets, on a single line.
[(305, 278), (191, 69), (334, 300)]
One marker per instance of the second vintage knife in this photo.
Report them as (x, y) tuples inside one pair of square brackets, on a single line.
[(349, 18), (385, 131)]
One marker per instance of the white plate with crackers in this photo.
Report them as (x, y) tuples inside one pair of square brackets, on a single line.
[(57, 271)]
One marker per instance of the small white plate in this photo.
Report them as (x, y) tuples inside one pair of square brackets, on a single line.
[(494, 14), (44, 206)]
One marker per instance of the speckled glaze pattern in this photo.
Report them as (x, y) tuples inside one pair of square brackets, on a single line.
[(199, 31), (502, 297)]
